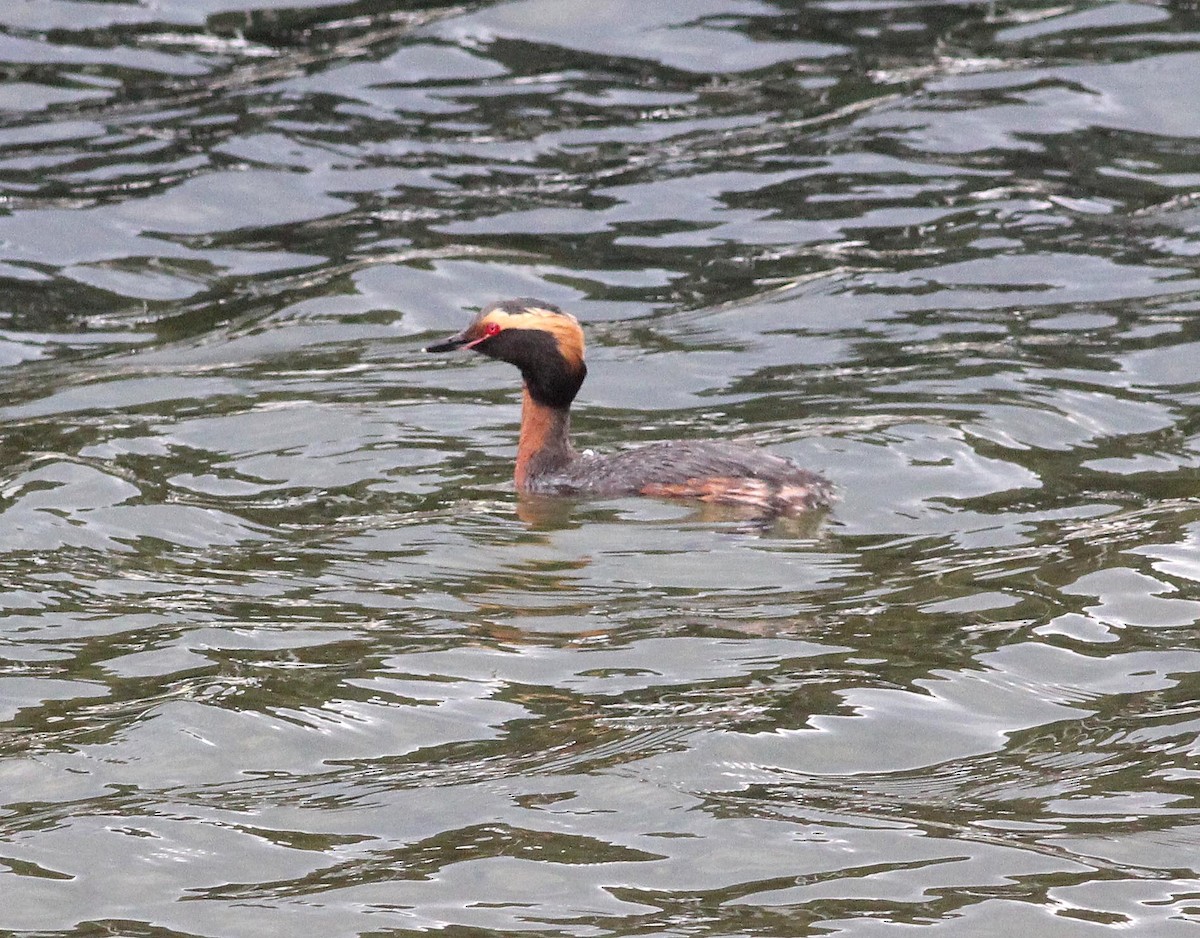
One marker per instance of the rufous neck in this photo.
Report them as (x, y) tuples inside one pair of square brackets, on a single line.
[(545, 443)]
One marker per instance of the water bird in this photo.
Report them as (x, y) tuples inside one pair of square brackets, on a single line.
[(547, 345)]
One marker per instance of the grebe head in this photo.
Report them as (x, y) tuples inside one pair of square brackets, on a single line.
[(537, 337)]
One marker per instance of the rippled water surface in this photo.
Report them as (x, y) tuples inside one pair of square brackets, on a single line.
[(282, 652)]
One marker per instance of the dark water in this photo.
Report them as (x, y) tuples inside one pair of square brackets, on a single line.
[(284, 655)]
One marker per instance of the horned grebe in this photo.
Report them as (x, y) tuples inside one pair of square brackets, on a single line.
[(547, 345)]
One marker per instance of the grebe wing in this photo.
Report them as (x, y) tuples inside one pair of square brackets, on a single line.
[(711, 471)]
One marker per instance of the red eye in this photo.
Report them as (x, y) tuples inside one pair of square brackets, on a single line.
[(492, 328)]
